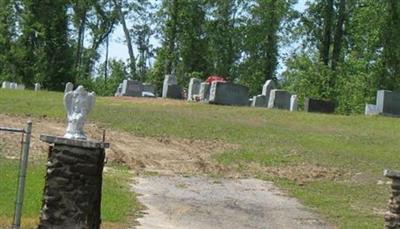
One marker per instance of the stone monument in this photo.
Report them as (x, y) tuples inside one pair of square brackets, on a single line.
[(72, 192), (37, 86), (194, 88), (227, 93), (392, 217), (294, 104), (279, 99), (171, 88)]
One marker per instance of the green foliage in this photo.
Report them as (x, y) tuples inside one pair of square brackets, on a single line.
[(108, 87)]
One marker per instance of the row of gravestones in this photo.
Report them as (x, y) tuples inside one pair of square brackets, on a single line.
[(135, 88), (387, 103), (227, 93), (13, 85)]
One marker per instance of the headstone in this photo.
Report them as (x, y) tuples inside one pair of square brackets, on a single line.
[(132, 88), (174, 92), (279, 99), (194, 88), (259, 101), (168, 81), (226, 93), (149, 88), (204, 91), (371, 109), (37, 86), (267, 87), (20, 87), (119, 91), (320, 106), (388, 102), (6, 85), (294, 103), (13, 85)]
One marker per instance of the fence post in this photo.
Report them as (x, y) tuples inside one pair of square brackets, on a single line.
[(22, 175)]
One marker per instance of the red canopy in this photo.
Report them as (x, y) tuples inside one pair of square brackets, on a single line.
[(211, 79)]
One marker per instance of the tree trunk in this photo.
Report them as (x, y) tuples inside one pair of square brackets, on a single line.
[(81, 38), (327, 32), (337, 43), (132, 60), (171, 37), (272, 50)]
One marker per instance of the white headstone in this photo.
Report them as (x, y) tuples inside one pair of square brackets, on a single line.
[(268, 86), (37, 87), (194, 88), (294, 103)]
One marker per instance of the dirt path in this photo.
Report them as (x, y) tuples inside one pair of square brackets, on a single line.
[(204, 203), (193, 201)]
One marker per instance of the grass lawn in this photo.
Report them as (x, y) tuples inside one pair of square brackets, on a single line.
[(357, 147), (117, 203)]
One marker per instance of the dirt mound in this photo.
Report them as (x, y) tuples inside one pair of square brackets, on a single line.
[(162, 155)]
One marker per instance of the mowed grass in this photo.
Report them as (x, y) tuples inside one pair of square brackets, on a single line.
[(118, 203), (358, 147)]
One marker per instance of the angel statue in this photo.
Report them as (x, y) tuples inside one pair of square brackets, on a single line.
[(78, 104)]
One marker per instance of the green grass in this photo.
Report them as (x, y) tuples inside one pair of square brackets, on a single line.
[(118, 203), (349, 144)]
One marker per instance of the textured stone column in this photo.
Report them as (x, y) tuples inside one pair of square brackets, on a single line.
[(72, 192), (392, 217)]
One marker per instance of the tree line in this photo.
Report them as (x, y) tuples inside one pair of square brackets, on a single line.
[(341, 50)]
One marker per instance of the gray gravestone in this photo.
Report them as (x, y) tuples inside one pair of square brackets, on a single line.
[(294, 103), (320, 106), (388, 102), (204, 91), (279, 99), (194, 88), (132, 88), (149, 88), (171, 88), (226, 93), (259, 101), (20, 87)]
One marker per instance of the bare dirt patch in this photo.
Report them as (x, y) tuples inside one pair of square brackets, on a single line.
[(161, 155)]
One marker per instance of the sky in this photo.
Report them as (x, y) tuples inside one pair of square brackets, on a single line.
[(118, 49)]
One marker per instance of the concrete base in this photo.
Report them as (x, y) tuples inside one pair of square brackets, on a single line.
[(72, 192)]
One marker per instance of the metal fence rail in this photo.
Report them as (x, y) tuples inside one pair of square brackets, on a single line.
[(23, 164)]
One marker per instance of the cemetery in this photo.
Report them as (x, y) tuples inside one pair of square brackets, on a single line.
[(306, 176), (256, 114)]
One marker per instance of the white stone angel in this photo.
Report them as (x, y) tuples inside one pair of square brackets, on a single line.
[(78, 104)]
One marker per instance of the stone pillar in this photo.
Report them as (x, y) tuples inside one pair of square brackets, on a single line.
[(392, 217), (72, 192)]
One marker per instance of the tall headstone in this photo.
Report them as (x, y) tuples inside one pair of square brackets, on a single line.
[(279, 99), (194, 88), (268, 86), (13, 85), (227, 93), (170, 88), (37, 86), (319, 106), (132, 88), (294, 103), (118, 92), (388, 102), (204, 91), (73, 181)]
